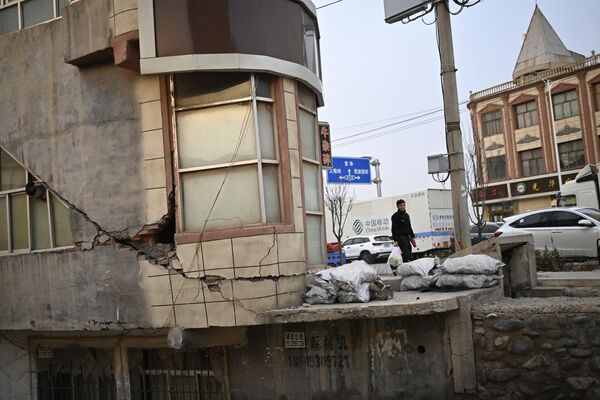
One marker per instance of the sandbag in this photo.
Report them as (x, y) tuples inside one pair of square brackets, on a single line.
[(395, 257), (472, 264), (355, 296), (415, 282), (421, 267), (318, 295), (351, 275), (470, 281)]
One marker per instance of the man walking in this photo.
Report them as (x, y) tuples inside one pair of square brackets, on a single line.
[(402, 232)]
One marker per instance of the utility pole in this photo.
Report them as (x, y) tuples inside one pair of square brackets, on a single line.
[(453, 133), (377, 180)]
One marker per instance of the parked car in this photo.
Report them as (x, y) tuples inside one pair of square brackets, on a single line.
[(574, 232), (487, 232), (368, 248)]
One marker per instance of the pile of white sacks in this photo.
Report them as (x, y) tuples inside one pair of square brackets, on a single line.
[(473, 271), (356, 282)]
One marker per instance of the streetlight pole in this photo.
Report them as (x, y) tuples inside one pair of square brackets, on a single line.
[(453, 133), (377, 180), (549, 85)]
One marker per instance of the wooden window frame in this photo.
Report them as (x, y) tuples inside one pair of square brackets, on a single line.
[(529, 117)]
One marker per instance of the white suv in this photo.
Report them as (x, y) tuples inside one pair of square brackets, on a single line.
[(368, 248), (574, 232)]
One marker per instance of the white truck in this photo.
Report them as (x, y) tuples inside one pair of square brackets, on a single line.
[(584, 190), (430, 213)]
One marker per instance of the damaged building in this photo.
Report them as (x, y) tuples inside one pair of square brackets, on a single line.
[(161, 202), (160, 168)]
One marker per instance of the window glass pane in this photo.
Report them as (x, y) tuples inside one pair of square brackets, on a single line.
[(531, 221), (37, 11), (311, 187), (19, 222), (307, 98), (210, 136), (40, 226), (210, 87), (263, 85), (12, 175), (200, 191), (564, 218), (271, 187), (61, 223), (308, 135), (62, 4), (3, 225), (9, 20), (314, 239), (266, 130)]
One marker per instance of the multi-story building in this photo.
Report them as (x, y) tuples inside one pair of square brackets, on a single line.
[(520, 133), (160, 168)]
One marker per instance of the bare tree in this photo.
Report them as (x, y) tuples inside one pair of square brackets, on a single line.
[(339, 201), (476, 186)]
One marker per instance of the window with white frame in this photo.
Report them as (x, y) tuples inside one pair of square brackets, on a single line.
[(565, 105), (19, 14), (227, 151), (311, 168), (32, 218)]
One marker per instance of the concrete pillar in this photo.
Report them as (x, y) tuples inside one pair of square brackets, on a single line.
[(122, 382)]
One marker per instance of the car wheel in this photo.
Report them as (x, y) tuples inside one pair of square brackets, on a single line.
[(367, 257)]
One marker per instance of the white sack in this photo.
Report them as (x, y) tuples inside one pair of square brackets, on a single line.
[(395, 257), (421, 267), (318, 295), (355, 296), (415, 282), (471, 281), (472, 264), (350, 276)]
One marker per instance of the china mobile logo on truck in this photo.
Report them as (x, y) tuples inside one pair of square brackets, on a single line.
[(357, 226), (375, 225)]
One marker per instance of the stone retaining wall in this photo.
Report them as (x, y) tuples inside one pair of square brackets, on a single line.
[(537, 349)]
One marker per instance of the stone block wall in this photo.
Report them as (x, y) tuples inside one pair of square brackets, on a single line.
[(540, 349)]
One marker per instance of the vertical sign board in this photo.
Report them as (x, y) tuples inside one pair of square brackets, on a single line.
[(350, 170), (325, 145)]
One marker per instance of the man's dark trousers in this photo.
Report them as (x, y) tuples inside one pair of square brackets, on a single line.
[(405, 247)]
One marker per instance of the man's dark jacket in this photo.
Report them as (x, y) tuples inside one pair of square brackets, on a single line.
[(401, 225)]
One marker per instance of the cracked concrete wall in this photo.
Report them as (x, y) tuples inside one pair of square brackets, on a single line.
[(80, 129), (383, 358)]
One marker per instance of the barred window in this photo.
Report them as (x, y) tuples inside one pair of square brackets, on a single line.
[(565, 105), (532, 162), (571, 154), (496, 168), (492, 123), (527, 114)]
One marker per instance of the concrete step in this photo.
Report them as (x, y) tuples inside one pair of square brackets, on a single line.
[(569, 279), (553, 291)]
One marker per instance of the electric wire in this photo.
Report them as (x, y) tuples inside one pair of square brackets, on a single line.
[(329, 4)]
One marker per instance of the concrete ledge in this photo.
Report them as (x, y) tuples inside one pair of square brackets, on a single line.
[(403, 304), (569, 279), (553, 305)]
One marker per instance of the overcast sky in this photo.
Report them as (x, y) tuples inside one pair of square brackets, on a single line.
[(375, 74)]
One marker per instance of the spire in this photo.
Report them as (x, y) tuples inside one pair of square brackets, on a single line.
[(542, 48)]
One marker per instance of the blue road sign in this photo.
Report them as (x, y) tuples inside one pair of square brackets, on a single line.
[(351, 170)]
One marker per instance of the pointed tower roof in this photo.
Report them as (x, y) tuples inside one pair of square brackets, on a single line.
[(542, 48)]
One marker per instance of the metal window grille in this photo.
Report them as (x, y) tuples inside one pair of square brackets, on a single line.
[(174, 375), (78, 374)]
